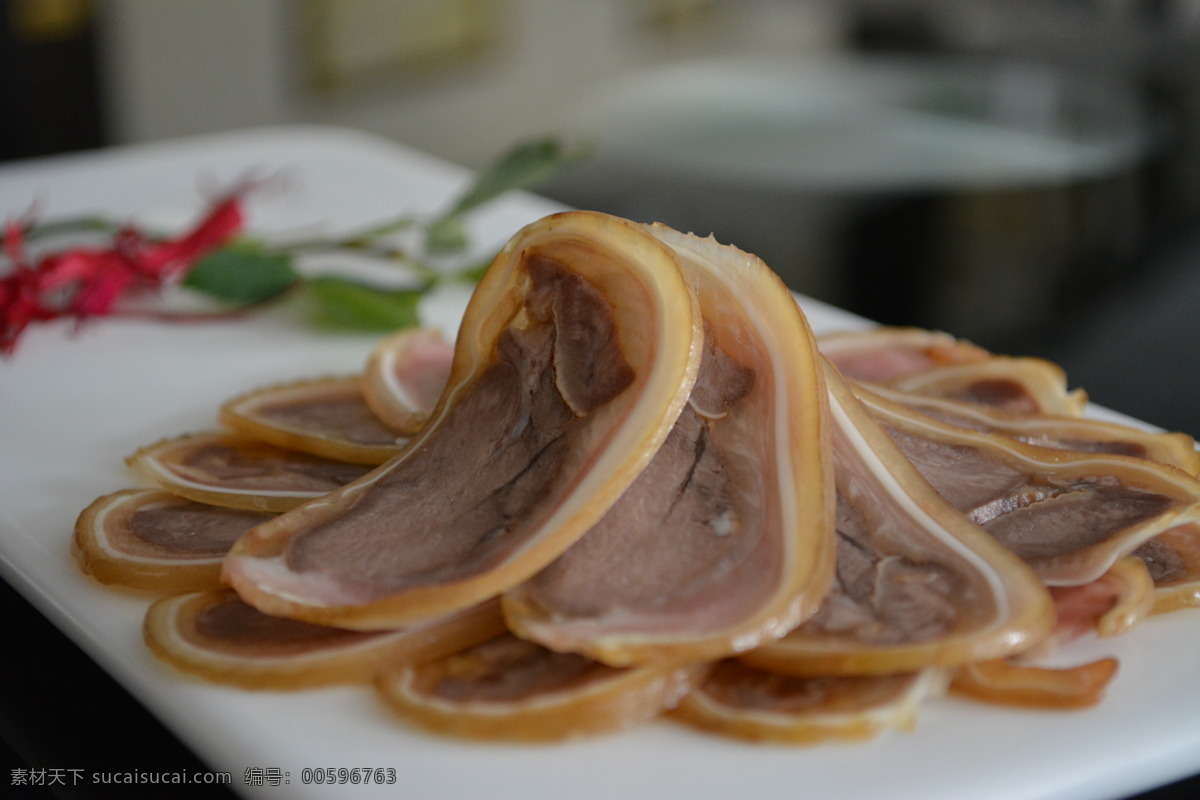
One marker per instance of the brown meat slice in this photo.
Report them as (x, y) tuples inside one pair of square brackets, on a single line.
[(1069, 515), (747, 703), (1010, 384), (885, 354), (1173, 558), (216, 636), (938, 365), (1002, 682), (576, 355), (405, 375), (327, 417), (511, 689), (1081, 434), (152, 539), (917, 584), (224, 469), (723, 541)]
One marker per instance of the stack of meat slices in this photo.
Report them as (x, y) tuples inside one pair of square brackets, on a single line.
[(637, 485)]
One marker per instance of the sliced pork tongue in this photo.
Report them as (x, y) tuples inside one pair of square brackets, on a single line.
[(938, 365), (512, 689), (725, 540), (882, 359), (1069, 515), (1081, 434), (885, 354), (225, 469), (576, 355), (739, 700), (216, 636), (918, 584), (153, 539), (327, 417), (1173, 558), (405, 375)]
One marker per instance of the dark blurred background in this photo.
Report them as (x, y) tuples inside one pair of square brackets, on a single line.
[(1022, 173)]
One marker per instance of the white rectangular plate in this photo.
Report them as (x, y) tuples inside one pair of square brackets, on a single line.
[(72, 406)]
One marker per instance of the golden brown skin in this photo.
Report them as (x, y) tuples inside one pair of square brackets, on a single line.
[(746, 703), (405, 375), (215, 636), (985, 602), (735, 547), (510, 689), (224, 469), (326, 417), (655, 331), (1002, 682), (151, 539)]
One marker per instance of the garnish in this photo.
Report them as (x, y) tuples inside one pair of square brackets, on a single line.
[(85, 281), (216, 259)]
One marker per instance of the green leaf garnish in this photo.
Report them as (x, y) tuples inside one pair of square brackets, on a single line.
[(523, 167), (427, 249), (526, 164), (242, 273), (368, 235), (70, 225), (446, 235), (350, 305)]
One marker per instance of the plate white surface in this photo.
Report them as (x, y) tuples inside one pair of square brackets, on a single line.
[(72, 406)]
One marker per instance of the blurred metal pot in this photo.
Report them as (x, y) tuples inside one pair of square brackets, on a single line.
[(966, 194)]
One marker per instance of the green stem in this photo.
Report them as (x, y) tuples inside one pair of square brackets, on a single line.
[(58, 227), (358, 240)]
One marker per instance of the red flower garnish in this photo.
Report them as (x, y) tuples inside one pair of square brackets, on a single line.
[(84, 282)]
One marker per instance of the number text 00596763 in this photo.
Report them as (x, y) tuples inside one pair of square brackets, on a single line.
[(352, 775)]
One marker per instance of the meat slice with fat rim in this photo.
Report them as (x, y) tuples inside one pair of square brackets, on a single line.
[(1080, 434), (917, 583), (725, 540), (1070, 515), (884, 354), (508, 688), (576, 354), (748, 703), (215, 636), (326, 417)]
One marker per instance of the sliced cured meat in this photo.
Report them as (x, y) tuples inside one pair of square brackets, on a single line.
[(215, 636), (327, 417), (1081, 434), (724, 541), (508, 688), (405, 375), (152, 539), (1005, 383), (227, 470), (747, 703), (1173, 559), (938, 365), (1002, 682), (577, 352), (917, 584), (885, 354), (1108, 606), (1069, 515)]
